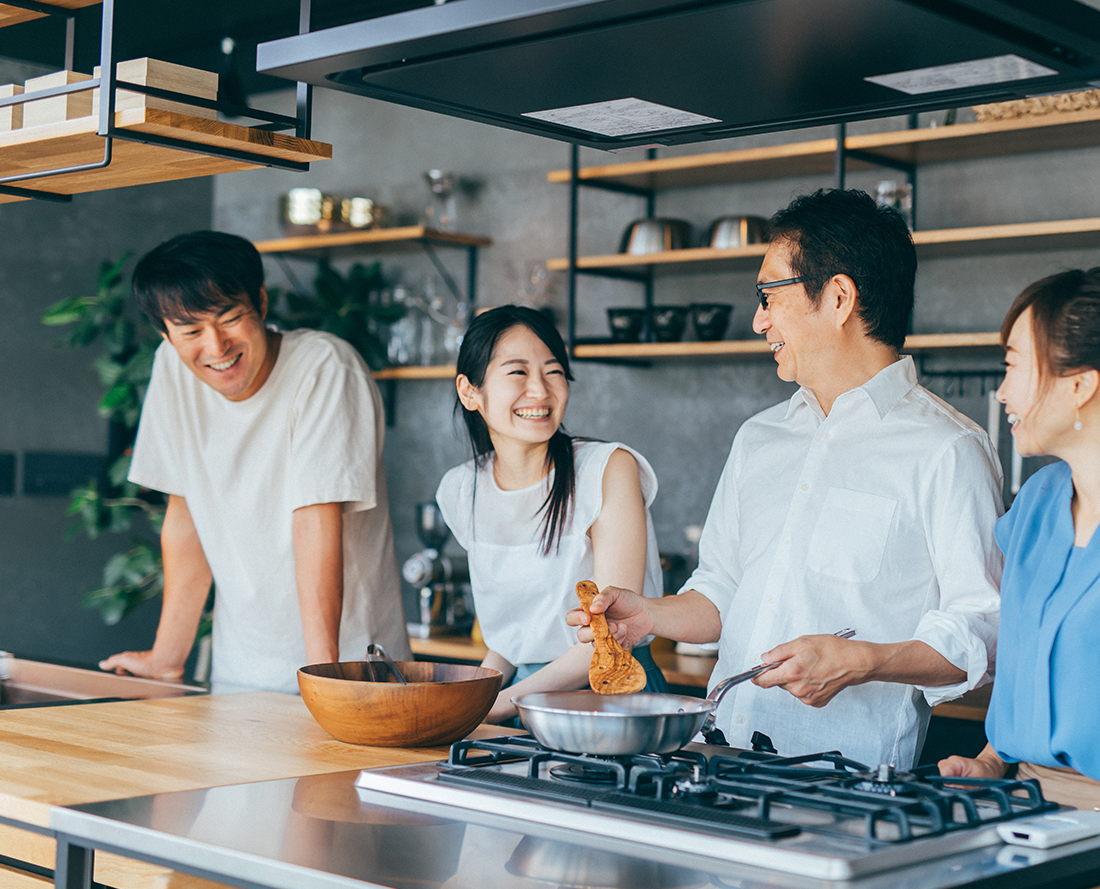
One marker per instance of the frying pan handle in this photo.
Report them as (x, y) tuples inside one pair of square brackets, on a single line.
[(718, 692)]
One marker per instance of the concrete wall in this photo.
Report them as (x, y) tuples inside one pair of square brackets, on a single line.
[(681, 415), (48, 404)]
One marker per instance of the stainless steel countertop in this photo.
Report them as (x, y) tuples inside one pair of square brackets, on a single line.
[(317, 833)]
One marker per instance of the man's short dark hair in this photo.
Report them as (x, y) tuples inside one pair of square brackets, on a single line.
[(845, 232), (197, 273)]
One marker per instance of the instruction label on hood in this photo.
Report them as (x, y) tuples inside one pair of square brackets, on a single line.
[(978, 72), (621, 117)]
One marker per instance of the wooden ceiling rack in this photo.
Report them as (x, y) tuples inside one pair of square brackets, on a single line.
[(137, 146)]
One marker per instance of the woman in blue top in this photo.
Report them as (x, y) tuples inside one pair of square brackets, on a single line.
[(1044, 714)]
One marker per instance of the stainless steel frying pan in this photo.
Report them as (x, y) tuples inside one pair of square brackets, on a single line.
[(612, 725), (618, 725)]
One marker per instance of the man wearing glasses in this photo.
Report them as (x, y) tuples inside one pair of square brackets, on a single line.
[(864, 501)]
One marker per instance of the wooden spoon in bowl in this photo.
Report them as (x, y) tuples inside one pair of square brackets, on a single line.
[(614, 670)]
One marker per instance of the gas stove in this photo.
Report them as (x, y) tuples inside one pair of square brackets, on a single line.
[(819, 815)]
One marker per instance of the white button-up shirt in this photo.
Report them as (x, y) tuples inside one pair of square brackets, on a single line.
[(878, 517)]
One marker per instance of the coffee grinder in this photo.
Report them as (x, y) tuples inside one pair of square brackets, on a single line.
[(442, 582)]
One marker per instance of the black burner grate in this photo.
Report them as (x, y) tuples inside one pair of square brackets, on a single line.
[(769, 791)]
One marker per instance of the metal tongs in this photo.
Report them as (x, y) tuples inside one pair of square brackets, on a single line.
[(715, 736), (377, 650)]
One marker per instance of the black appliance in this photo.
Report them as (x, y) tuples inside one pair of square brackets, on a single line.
[(627, 73)]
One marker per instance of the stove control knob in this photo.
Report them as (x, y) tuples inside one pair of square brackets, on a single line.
[(885, 773)]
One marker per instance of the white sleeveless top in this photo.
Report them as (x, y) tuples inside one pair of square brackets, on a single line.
[(521, 596)]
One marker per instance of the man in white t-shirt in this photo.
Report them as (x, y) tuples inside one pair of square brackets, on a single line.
[(863, 502), (269, 447)]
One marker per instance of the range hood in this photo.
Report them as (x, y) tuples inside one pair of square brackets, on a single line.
[(628, 73)]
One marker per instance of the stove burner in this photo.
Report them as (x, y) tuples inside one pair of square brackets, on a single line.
[(886, 780), (585, 773), (696, 789)]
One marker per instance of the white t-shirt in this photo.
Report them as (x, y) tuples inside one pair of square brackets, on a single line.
[(877, 517), (520, 595), (311, 434)]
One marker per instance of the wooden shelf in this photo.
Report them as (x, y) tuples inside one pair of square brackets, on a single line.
[(13, 15), (722, 348), (75, 142), (382, 238), (772, 162), (732, 348), (433, 372), (1066, 234), (927, 342), (998, 138), (706, 258), (1024, 135)]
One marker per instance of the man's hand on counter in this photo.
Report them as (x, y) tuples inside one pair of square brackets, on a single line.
[(986, 764), (141, 663)]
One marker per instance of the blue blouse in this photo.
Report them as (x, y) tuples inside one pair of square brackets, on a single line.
[(1045, 707)]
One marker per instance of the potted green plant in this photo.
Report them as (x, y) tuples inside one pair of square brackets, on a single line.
[(349, 306), (111, 503)]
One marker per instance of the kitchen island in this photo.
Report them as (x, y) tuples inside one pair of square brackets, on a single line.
[(335, 832), (248, 790)]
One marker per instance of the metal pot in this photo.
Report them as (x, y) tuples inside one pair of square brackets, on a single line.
[(644, 236), (737, 231), (612, 725)]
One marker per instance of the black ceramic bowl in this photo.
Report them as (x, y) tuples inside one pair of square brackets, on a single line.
[(710, 320), (625, 324), (669, 322)]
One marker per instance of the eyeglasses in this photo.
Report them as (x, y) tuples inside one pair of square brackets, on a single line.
[(771, 285)]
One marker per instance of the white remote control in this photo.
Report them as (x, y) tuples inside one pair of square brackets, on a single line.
[(1051, 830)]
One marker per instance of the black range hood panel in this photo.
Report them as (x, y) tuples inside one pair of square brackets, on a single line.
[(625, 73)]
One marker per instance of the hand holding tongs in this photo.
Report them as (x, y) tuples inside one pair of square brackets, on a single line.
[(715, 736)]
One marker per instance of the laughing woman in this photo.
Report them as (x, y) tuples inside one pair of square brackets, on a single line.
[(537, 511), (1042, 715)]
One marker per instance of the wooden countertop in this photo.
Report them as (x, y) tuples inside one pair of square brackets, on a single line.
[(81, 754), (57, 756)]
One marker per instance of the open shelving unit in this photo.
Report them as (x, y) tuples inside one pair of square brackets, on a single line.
[(1057, 234), (115, 149), (918, 343), (967, 141), (903, 150), (390, 240)]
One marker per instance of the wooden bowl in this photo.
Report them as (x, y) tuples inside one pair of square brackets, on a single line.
[(441, 704)]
